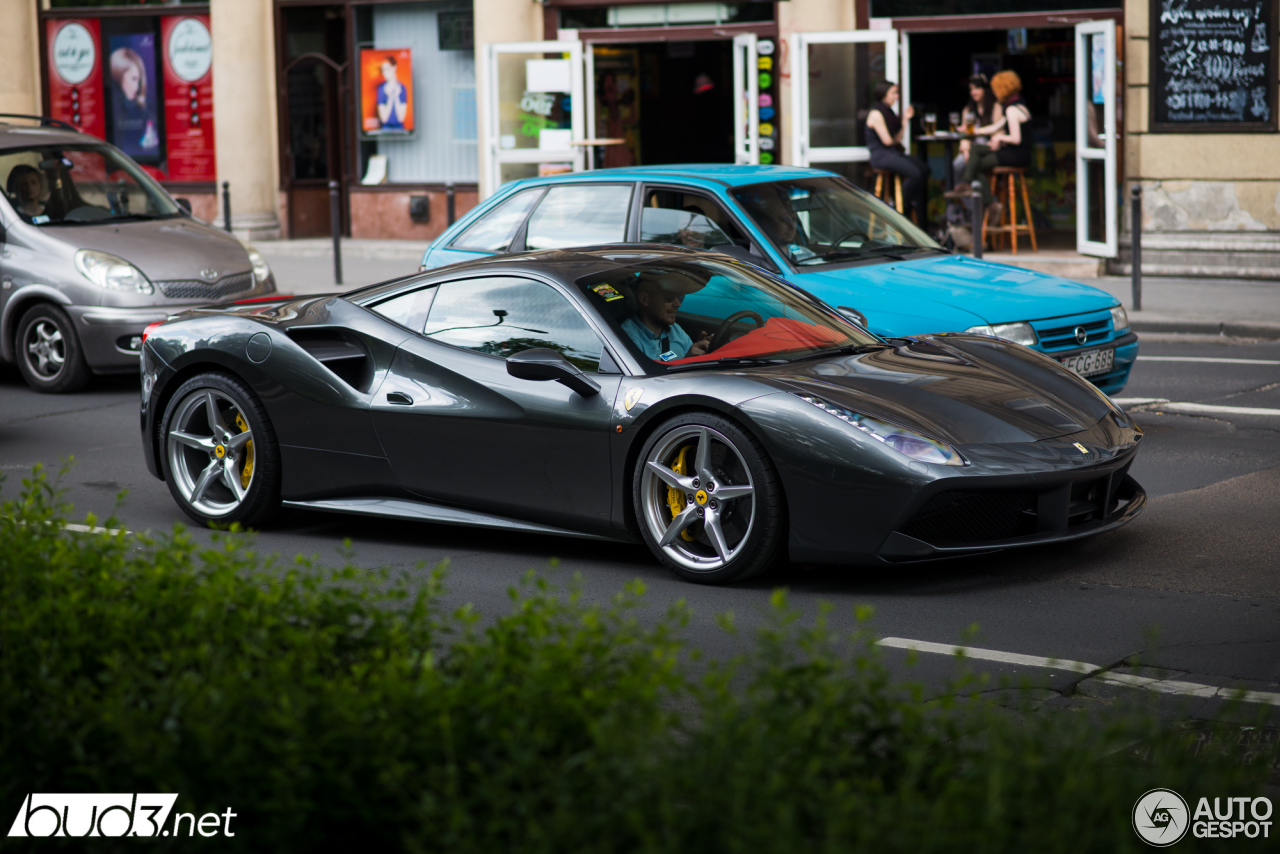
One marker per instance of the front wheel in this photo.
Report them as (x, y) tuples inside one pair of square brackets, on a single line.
[(709, 500), (219, 452), (49, 353)]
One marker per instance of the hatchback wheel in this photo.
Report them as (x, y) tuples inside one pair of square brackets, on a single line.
[(49, 353), (709, 500), (219, 453)]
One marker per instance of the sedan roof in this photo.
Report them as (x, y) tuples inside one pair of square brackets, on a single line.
[(724, 174)]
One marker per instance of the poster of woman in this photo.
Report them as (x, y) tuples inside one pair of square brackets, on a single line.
[(135, 96), (386, 92)]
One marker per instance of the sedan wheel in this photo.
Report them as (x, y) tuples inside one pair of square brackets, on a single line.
[(709, 500), (219, 455), (48, 351)]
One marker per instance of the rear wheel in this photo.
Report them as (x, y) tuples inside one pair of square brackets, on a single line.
[(48, 351), (219, 452), (709, 500)]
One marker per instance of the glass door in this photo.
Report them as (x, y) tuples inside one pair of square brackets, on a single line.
[(535, 123), (832, 75), (746, 100), (1096, 138)]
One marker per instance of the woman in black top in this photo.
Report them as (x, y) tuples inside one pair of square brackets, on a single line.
[(1009, 147), (884, 139), (983, 113)]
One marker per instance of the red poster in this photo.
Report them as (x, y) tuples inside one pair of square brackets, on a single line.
[(187, 51), (75, 74)]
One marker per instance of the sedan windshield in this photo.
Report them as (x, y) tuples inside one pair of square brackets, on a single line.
[(817, 221), (682, 313), (72, 184)]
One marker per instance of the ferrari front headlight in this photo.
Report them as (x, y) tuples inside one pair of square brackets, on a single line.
[(909, 443), (114, 274)]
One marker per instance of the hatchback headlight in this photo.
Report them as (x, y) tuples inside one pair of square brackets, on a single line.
[(909, 443), (1119, 319), (261, 272), (108, 271), (1018, 333)]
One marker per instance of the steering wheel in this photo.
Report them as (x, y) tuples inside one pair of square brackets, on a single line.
[(726, 326), (853, 232)]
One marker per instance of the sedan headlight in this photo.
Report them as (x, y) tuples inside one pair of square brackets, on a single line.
[(261, 272), (108, 271), (909, 443), (1119, 319), (1018, 333)]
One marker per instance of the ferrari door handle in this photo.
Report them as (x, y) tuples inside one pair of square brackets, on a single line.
[(400, 398)]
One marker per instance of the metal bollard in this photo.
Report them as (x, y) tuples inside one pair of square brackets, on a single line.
[(226, 206), (976, 201), (335, 224), (449, 204), (1136, 245)]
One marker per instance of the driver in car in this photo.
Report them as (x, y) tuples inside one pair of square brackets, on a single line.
[(654, 327)]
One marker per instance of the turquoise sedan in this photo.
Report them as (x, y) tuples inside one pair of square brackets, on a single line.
[(820, 233)]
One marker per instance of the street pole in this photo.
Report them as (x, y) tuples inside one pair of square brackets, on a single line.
[(226, 206), (335, 225), (976, 202), (1136, 245), (450, 205)]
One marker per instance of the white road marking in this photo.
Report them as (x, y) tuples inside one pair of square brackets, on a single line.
[(85, 529), (1163, 686), (1208, 359), (1167, 405)]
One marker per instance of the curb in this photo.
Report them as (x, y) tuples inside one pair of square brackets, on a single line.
[(1226, 329)]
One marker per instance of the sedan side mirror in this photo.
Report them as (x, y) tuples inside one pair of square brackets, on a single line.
[(184, 203), (542, 364)]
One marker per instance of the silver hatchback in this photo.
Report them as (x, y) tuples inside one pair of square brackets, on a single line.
[(92, 251)]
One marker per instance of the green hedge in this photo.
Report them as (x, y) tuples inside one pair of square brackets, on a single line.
[(350, 708)]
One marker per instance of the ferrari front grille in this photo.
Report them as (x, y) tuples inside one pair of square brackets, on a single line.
[(974, 517), (194, 289)]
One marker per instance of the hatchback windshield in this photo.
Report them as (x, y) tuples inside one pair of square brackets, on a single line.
[(683, 313), (817, 221), (58, 185)]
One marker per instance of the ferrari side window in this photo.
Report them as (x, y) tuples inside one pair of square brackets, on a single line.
[(580, 215), (494, 231), (409, 310), (504, 315)]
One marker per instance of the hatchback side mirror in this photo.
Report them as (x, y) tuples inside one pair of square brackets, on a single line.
[(184, 203), (542, 364)]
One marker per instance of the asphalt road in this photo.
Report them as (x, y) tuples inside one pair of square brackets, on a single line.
[(1193, 585)]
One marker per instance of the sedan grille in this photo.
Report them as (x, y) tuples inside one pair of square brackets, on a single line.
[(1062, 334), (195, 289)]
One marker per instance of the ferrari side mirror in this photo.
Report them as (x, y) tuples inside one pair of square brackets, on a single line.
[(542, 364)]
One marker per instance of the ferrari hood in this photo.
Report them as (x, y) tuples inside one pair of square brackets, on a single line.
[(962, 389)]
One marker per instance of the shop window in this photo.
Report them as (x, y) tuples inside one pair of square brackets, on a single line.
[(581, 215), (665, 15), (926, 8)]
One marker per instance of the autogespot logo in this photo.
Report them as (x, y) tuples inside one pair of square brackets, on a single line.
[(1161, 817), (113, 816)]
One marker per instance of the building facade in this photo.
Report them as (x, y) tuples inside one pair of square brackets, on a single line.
[(419, 109)]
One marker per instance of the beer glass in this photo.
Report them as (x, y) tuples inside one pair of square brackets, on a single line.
[(930, 124), (954, 119)]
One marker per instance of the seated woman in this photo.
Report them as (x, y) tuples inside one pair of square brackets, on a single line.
[(983, 113), (884, 139), (25, 186), (1009, 147), (654, 328)]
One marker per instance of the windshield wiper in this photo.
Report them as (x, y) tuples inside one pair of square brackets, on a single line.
[(732, 361), (849, 350), (896, 252)]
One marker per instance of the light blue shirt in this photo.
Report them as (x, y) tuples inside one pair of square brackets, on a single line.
[(678, 341)]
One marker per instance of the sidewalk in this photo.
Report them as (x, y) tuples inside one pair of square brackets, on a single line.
[(1235, 308)]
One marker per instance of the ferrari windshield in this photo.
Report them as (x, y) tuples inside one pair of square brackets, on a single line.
[(684, 312), (818, 221), (74, 184)]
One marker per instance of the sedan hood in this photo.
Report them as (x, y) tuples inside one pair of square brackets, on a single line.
[(955, 286), (163, 249), (962, 389)]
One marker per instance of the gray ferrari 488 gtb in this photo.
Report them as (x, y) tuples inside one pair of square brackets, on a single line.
[(686, 399)]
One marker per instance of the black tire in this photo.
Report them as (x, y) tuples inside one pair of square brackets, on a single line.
[(752, 521), (48, 351), (256, 462)]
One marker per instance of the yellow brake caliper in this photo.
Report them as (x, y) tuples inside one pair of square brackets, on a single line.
[(676, 498), (246, 473)]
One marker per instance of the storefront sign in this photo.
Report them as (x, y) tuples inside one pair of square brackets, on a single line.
[(75, 74), (1213, 65), (188, 97), (386, 92)]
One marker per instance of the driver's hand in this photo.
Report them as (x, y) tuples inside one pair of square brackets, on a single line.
[(702, 345)]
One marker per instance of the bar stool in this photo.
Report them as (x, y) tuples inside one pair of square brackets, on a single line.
[(1004, 185), (882, 189)]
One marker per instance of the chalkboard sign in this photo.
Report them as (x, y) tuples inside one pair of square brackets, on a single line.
[(1213, 65)]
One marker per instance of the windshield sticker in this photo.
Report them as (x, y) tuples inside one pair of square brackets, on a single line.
[(39, 219), (607, 292), (668, 356)]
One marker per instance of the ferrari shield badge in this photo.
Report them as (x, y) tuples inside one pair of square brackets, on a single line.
[(632, 398), (1081, 448), (608, 293)]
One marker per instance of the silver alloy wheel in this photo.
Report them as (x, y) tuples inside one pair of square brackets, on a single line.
[(46, 349), (208, 452), (718, 510)]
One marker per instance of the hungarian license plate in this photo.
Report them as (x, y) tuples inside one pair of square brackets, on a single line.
[(1090, 362)]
